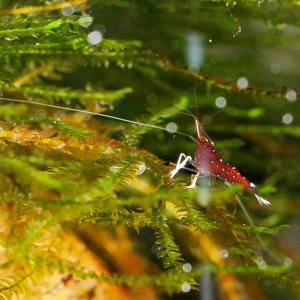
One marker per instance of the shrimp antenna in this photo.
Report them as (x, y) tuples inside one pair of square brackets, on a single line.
[(95, 114)]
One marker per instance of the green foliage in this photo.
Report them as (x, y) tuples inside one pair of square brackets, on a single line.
[(72, 186)]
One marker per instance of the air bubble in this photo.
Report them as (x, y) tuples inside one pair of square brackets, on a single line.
[(220, 102), (275, 68), (186, 287), (101, 28), (287, 119), (152, 99), (242, 83), (187, 267), (291, 95), (210, 40), (171, 127), (224, 253), (85, 20), (287, 261), (261, 263), (206, 119), (67, 11), (94, 37)]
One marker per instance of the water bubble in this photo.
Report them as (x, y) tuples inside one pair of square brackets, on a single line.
[(114, 169), (242, 83), (186, 287), (154, 249), (275, 68), (100, 27), (152, 99), (291, 95), (187, 267), (67, 11), (94, 37), (220, 102), (206, 119), (224, 253), (295, 227), (210, 40), (287, 261), (85, 20), (261, 263), (287, 119), (171, 127), (141, 168)]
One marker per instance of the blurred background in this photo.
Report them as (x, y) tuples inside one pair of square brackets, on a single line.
[(234, 65)]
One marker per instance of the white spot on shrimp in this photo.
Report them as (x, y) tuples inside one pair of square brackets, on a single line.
[(252, 185), (212, 162)]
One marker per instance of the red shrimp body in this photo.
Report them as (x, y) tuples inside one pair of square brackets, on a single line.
[(209, 163)]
